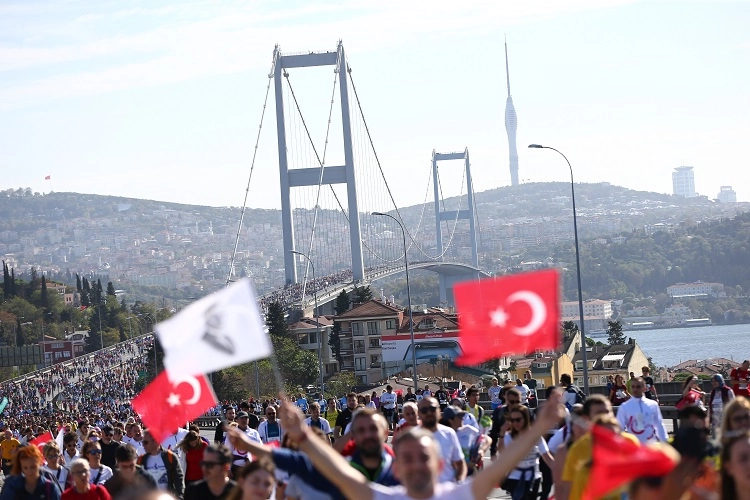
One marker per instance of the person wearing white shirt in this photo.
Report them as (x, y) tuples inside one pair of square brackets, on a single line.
[(388, 405), (314, 419), (524, 390), (270, 429), (240, 458), (641, 416), (454, 466)]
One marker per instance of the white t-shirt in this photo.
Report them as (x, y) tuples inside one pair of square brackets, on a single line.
[(443, 491), (558, 438), (524, 390), (238, 457), (494, 394), (467, 437), (388, 400), (325, 426), (96, 478), (530, 461), (155, 466), (450, 451)]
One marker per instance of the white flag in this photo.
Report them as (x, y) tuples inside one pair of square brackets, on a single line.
[(218, 331)]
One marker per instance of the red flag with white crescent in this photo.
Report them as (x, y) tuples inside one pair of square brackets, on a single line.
[(516, 314), (165, 406)]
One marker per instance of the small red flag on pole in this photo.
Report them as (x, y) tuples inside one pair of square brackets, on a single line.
[(515, 314)]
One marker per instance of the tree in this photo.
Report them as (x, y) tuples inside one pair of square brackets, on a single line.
[(342, 303), (275, 320), (44, 297), (569, 329), (361, 294), (298, 367), (340, 384), (334, 341), (111, 289), (614, 333), (19, 333), (229, 385)]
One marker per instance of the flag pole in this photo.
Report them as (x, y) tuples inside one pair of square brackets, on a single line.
[(277, 375)]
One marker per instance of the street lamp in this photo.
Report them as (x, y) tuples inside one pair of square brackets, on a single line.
[(578, 268), (317, 319), (408, 298)]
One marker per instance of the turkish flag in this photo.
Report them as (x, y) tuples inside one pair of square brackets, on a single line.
[(616, 461), (165, 406), (42, 439), (515, 314)]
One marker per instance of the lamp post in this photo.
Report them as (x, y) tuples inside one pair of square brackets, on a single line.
[(578, 268), (317, 318), (408, 298)]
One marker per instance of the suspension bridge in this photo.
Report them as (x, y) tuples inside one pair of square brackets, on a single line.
[(334, 195)]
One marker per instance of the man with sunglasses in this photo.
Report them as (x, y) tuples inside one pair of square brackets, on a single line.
[(454, 466), (163, 465), (109, 447), (215, 484), (499, 416)]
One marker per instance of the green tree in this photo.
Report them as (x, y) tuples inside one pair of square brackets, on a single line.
[(334, 341), (19, 333), (229, 385), (614, 333), (44, 299), (340, 383), (342, 303), (569, 328), (276, 320), (111, 289), (298, 367), (361, 294)]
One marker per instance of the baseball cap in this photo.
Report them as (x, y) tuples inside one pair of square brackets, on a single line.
[(453, 411), (242, 414)]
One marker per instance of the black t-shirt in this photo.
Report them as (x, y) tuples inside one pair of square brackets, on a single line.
[(649, 384), (108, 454), (410, 397), (442, 397), (343, 419), (200, 491)]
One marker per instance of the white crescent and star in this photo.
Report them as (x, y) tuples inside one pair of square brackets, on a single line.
[(174, 399), (499, 317)]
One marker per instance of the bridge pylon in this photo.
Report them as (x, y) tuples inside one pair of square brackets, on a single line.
[(296, 177), (451, 215)]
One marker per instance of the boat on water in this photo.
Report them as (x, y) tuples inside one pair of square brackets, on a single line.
[(650, 325), (596, 334)]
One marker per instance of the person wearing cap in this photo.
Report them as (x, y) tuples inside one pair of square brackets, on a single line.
[(473, 443), (239, 457), (253, 420)]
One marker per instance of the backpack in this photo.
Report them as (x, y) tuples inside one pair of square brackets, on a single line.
[(580, 395)]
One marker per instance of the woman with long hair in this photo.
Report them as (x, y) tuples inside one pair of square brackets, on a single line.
[(26, 479), (736, 418), (618, 394), (191, 455), (256, 481), (82, 486), (692, 395), (735, 468), (523, 482), (92, 452)]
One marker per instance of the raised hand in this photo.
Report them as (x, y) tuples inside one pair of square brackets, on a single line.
[(294, 421), (553, 410)]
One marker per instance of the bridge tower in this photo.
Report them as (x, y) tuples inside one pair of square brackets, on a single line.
[(340, 174), (467, 214)]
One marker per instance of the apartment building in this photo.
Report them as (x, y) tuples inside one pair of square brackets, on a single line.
[(362, 329)]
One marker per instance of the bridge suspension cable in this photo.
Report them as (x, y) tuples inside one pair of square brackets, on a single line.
[(390, 193), (250, 176)]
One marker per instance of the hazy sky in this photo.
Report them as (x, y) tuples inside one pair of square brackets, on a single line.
[(162, 100)]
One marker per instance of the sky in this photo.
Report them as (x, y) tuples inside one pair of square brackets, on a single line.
[(163, 100)]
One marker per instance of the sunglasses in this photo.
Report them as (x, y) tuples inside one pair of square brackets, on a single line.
[(95, 452), (208, 465), (428, 409)]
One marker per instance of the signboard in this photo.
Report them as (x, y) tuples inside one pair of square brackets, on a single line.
[(21, 356), (398, 350)]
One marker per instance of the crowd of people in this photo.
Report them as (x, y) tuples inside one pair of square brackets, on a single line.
[(432, 443)]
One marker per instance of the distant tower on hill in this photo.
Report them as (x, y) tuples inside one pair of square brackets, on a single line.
[(683, 182), (727, 195), (511, 123)]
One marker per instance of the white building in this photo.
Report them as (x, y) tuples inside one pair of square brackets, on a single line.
[(697, 289), (596, 308), (727, 195), (683, 182)]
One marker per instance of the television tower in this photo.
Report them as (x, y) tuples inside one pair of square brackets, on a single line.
[(511, 123)]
